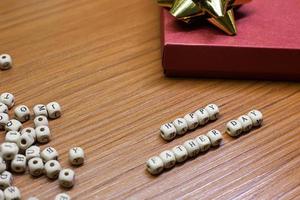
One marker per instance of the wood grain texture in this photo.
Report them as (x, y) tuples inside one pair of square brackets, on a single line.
[(101, 61)]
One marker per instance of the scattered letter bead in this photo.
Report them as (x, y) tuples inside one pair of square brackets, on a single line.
[(26, 140), (168, 131), (256, 117), (6, 179), (215, 137), (8, 99), (2, 165), (12, 136), (54, 110), (4, 118), (9, 150), (40, 110), (246, 122), (29, 130), (168, 159), (52, 169), (3, 108), (192, 147), (180, 153), (202, 116), (36, 166), (204, 142), (49, 153), (13, 125), (32, 152), (12, 193), (62, 196), (22, 113), (40, 121), (66, 178), (155, 165), (213, 111), (180, 125), (18, 164), (5, 62), (191, 120), (234, 128), (76, 156), (43, 134)]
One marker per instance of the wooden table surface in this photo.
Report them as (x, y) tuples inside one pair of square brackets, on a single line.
[(101, 61)]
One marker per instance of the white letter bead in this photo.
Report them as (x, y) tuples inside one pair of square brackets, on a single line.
[(8, 99), (32, 152), (9, 150), (62, 196), (204, 142), (40, 110), (215, 137), (180, 153), (256, 117), (36, 166), (66, 178), (168, 131), (202, 116), (22, 113), (192, 147), (5, 62), (26, 140), (12, 136), (43, 134), (3, 108), (54, 110), (4, 118), (180, 125), (234, 128), (191, 120), (213, 111), (13, 125), (40, 121), (12, 193), (52, 169), (246, 122), (76, 156), (2, 165), (168, 159), (18, 164), (29, 130), (155, 165), (6, 179), (49, 154), (2, 195)]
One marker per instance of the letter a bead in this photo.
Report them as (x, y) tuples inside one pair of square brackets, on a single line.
[(192, 147), (155, 165), (76, 156), (180, 125), (246, 123), (66, 178), (168, 131), (180, 153), (234, 128), (168, 159), (256, 117)]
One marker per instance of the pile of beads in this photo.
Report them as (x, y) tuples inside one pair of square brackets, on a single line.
[(19, 150), (190, 122), (244, 123), (190, 148)]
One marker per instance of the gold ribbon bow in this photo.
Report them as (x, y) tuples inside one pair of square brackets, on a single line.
[(217, 12)]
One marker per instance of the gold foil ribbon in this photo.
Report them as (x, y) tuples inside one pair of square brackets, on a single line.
[(220, 13)]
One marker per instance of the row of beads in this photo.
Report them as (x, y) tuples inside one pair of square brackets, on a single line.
[(190, 148), (189, 122), (244, 123)]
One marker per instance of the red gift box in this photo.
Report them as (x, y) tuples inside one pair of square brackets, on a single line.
[(267, 45)]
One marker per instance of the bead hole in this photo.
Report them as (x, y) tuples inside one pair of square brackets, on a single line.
[(28, 130), (42, 129), (51, 164), (3, 57), (35, 162), (66, 173), (23, 141), (40, 119)]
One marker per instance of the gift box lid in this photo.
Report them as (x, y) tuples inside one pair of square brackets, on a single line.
[(266, 46)]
